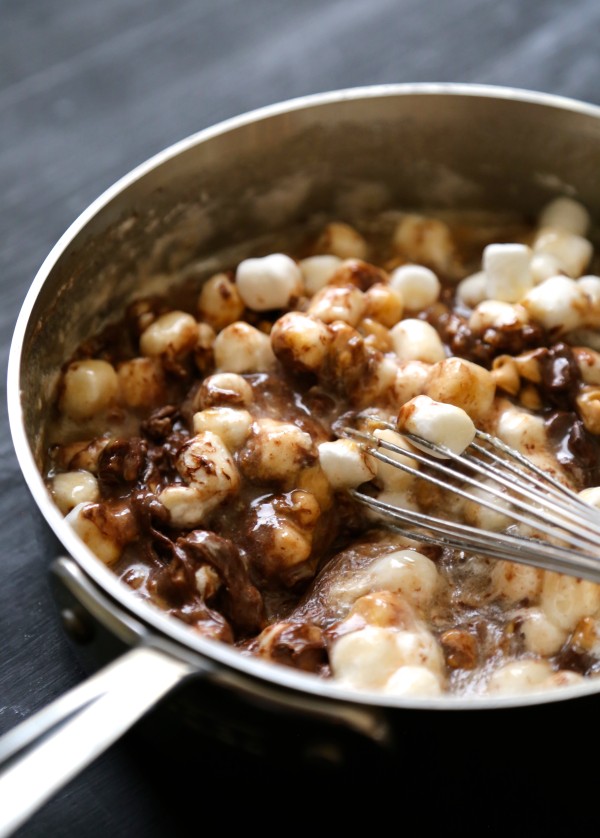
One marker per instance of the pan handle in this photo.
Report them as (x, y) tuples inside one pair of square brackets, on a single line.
[(47, 750)]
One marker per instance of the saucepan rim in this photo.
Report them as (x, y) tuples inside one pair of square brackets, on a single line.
[(220, 653)]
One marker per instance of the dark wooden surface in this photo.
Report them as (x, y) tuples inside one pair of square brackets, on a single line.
[(88, 90)]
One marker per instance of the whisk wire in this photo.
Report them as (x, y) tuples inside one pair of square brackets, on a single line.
[(513, 486)]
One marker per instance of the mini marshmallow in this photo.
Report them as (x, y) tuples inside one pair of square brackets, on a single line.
[(473, 289), (572, 252), (463, 384), (418, 286), (231, 424), (206, 464), (365, 658), (565, 214), (479, 515), (345, 464), (590, 285), (343, 302), (413, 680), (342, 240), (424, 240), (88, 387), (416, 340), (407, 572), (225, 388), (441, 424), (208, 581), (410, 380), (562, 678), (541, 636), (565, 599), (73, 487), (276, 451), (543, 266), (99, 539), (242, 348), (390, 477), (557, 304), (300, 342), (186, 508), (507, 271), (495, 314), (268, 282), (172, 334), (588, 362), (317, 271), (219, 302), (515, 582), (591, 496), (519, 677)]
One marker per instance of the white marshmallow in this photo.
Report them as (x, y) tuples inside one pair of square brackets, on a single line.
[(231, 424), (442, 424), (100, 542), (268, 282), (541, 636), (345, 464), (419, 648), (562, 678), (565, 214), (473, 289), (495, 314), (392, 478), (410, 380), (479, 515), (88, 387), (242, 348), (186, 507), (423, 239), (590, 285), (227, 388), (277, 450), (520, 429), (507, 271), (413, 680), (591, 496), (404, 571), (516, 582), (365, 658), (206, 464), (557, 304), (418, 286), (416, 340), (300, 342), (543, 266), (208, 581), (171, 334), (342, 240), (73, 487), (519, 677), (572, 252), (565, 599), (317, 271), (335, 302)]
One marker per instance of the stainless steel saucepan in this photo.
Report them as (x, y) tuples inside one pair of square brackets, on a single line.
[(267, 174)]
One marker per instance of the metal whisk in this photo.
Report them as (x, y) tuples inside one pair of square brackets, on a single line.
[(566, 530)]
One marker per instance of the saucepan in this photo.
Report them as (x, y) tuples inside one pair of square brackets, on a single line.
[(263, 175)]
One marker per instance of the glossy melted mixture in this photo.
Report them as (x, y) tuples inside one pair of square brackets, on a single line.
[(195, 447)]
